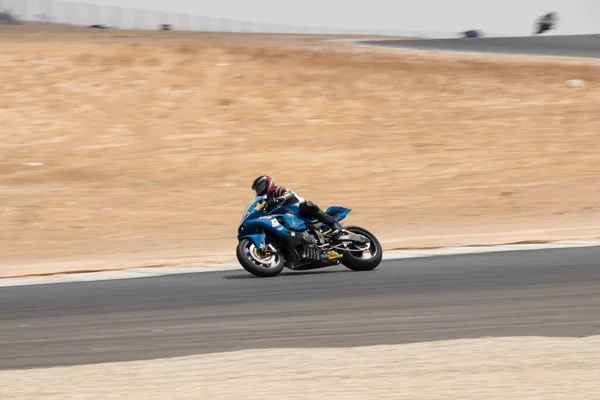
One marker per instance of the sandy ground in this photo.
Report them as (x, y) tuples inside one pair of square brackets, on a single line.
[(123, 149), (489, 368)]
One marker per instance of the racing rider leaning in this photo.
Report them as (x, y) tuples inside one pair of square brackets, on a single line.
[(278, 195)]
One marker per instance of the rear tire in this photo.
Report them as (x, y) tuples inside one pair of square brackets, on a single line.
[(248, 256), (363, 260)]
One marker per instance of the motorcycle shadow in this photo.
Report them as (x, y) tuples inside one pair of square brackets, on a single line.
[(289, 273)]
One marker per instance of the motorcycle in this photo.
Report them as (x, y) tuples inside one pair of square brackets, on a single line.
[(282, 238)]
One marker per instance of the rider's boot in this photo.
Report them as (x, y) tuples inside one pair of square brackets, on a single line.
[(334, 226), (336, 229)]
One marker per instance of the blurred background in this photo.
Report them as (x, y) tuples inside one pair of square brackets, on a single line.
[(425, 18)]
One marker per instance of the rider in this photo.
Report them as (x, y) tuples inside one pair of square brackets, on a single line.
[(277, 195)]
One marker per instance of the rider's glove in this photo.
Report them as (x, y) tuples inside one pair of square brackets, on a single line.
[(274, 201)]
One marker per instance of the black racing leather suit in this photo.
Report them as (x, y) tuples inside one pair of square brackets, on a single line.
[(282, 195)]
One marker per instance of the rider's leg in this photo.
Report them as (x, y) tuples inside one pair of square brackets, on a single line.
[(310, 209)]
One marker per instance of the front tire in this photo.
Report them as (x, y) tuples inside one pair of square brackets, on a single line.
[(262, 265), (365, 260)]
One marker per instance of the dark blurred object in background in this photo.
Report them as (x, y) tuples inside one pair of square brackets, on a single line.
[(546, 23), (472, 34), (166, 27), (97, 26), (6, 18)]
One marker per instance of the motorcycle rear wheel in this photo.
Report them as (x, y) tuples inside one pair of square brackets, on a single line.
[(261, 265), (366, 260)]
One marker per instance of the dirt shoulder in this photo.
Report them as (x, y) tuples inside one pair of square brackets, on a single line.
[(488, 368), (122, 149)]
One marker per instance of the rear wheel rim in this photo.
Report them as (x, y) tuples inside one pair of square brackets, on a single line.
[(371, 252)]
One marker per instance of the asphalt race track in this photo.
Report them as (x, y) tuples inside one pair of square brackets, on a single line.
[(545, 293), (565, 46)]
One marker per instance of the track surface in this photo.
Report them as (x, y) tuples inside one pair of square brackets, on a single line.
[(566, 46), (547, 293)]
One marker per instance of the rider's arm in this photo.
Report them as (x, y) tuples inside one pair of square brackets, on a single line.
[(280, 196), (283, 195)]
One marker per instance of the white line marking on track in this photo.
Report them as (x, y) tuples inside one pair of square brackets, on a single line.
[(134, 273)]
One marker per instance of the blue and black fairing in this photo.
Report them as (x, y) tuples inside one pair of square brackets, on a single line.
[(338, 213), (283, 224), (256, 223)]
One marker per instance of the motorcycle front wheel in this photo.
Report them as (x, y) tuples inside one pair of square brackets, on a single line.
[(264, 264)]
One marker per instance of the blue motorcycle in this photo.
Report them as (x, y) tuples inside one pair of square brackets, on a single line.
[(269, 241)]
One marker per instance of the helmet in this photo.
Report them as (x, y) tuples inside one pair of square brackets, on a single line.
[(263, 185)]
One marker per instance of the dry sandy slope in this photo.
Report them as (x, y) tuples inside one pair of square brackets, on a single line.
[(150, 140), (491, 368)]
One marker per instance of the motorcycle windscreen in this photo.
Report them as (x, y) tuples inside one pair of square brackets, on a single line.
[(249, 208)]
